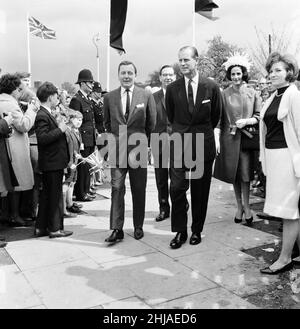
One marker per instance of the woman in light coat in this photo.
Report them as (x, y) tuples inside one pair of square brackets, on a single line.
[(280, 154), (241, 107), (18, 143)]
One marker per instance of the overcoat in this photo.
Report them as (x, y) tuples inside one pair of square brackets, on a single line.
[(18, 142), (241, 104)]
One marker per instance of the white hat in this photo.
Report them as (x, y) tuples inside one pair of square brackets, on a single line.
[(238, 59)]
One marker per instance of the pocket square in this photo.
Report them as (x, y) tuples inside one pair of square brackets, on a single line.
[(139, 106), (205, 101)]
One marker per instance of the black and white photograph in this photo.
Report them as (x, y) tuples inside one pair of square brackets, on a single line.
[(149, 158)]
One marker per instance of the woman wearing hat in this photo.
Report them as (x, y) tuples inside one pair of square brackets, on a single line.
[(241, 108), (280, 154)]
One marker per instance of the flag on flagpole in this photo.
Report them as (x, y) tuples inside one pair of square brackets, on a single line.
[(205, 8), (40, 30), (118, 11)]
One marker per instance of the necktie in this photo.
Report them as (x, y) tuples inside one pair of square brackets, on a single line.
[(127, 104), (190, 96)]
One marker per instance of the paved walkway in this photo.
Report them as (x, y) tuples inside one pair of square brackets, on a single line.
[(83, 272)]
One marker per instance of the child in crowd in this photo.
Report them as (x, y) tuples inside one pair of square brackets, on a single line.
[(74, 143)]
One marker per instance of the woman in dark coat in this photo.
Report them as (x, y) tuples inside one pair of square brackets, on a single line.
[(7, 177), (241, 107)]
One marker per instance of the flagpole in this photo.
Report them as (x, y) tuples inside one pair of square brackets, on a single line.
[(194, 25), (108, 50), (28, 45)]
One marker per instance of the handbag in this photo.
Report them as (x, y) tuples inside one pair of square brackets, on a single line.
[(250, 138)]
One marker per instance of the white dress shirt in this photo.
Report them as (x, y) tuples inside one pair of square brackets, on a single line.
[(194, 83), (124, 97), (48, 109)]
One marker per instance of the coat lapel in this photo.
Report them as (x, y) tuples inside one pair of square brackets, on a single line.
[(119, 107), (162, 99), (183, 96), (134, 102), (200, 95), (49, 115)]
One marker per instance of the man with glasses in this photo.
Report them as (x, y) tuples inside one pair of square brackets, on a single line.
[(81, 102), (163, 126)]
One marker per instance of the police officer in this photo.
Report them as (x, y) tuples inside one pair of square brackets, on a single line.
[(82, 102)]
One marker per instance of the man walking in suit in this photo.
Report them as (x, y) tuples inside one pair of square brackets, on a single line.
[(82, 103), (132, 108), (163, 128), (193, 106), (53, 158)]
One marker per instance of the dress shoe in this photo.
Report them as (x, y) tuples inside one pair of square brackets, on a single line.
[(179, 239), (69, 215), (78, 205), (98, 183), (267, 270), (195, 238), (115, 235), (162, 215), (17, 222), (60, 234), (92, 192), (86, 198), (138, 233), (39, 233), (74, 209), (92, 196), (3, 244)]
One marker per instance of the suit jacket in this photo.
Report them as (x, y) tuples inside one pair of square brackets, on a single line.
[(142, 113), (87, 130), (52, 143), (205, 116), (162, 122)]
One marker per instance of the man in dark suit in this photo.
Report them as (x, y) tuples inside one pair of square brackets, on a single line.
[(163, 129), (81, 102), (130, 109), (53, 158), (193, 106)]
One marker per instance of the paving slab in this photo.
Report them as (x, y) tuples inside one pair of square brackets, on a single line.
[(216, 298), (78, 284), (229, 268), (236, 235), (15, 291), (35, 253), (128, 303), (156, 278), (93, 246)]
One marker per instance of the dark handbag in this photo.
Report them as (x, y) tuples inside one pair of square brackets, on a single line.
[(250, 138)]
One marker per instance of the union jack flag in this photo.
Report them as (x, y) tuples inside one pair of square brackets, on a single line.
[(40, 30)]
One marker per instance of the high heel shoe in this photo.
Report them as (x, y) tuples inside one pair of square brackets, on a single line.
[(239, 220), (249, 220)]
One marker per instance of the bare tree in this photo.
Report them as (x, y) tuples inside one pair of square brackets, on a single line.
[(281, 41)]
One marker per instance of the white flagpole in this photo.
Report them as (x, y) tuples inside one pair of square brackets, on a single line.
[(194, 25), (28, 45), (108, 50)]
